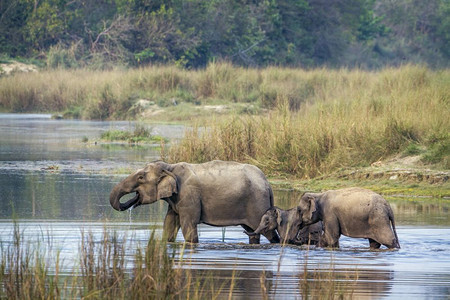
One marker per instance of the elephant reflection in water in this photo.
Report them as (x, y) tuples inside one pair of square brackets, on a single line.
[(351, 283), (245, 284), (354, 283)]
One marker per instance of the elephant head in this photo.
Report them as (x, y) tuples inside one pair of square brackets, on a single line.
[(287, 222), (308, 210), (149, 184), (268, 222)]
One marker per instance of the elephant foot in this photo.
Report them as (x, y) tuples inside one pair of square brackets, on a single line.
[(272, 236), (323, 244), (275, 239), (374, 244), (254, 239)]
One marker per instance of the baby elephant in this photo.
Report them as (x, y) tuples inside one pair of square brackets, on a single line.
[(287, 223), (353, 212)]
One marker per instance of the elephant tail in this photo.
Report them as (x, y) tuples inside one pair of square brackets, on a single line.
[(391, 218)]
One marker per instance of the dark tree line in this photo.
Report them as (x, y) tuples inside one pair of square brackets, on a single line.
[(191, 33)]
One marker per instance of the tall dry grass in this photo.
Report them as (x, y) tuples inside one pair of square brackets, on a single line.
[(317, 121), (352, 118), (25, 272), (105, 270), (113, 92)]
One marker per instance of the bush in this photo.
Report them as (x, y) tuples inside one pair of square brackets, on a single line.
[(60, 57)]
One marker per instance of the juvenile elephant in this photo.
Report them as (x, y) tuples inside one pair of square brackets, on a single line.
[(287, 223), (217, 193), (353, 212)]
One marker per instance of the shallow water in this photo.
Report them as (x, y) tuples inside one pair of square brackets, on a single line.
[(54, 205)]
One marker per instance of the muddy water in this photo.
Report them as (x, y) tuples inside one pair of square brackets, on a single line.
[(55, 187)]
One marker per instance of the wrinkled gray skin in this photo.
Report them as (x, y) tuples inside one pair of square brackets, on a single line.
[(217, 193), (310, 234), (353, 212), (287, 223)]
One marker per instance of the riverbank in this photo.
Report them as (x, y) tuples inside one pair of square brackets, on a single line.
[(292, 123)]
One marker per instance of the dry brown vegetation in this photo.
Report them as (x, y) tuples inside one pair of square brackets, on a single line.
[(107, 270), (291, 122), (350, 118)]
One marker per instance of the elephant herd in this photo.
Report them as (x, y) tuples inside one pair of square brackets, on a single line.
[(221, 193)]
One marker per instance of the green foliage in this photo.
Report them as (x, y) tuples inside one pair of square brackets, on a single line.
[(139, 134), (412, 149), (60, 57), (439, 151), (442, 23), (191, 34), (370, 26)]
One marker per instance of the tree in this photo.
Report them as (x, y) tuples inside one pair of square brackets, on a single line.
[(13, 16)]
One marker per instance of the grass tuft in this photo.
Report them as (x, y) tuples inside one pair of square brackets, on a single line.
[(139, 134)]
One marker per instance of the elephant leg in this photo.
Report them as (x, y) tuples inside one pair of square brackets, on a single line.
[(190, 233), (331, 235), (272, 236), (254, 239), (171, 225), (189, 229), (374, 244)]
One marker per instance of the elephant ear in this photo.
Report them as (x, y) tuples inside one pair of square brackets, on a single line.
[(167, 185), (311, 208), (279, 218)]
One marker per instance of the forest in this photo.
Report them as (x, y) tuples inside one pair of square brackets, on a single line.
[(101, 34)]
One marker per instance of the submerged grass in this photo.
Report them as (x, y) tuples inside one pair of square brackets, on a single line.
[(104, 270)]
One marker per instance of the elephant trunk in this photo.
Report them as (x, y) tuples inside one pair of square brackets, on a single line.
[(116, 194), (250, 233), (257, 231)]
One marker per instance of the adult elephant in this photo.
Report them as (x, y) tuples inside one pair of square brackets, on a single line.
[(353, 212), (217, 193)]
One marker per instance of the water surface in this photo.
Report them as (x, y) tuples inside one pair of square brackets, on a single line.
[(56, 187)]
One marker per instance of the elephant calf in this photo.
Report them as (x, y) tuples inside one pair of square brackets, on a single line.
[(287, 223), (353, 212)]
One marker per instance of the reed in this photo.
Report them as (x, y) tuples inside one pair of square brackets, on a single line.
[(105, 270), (25, 270)]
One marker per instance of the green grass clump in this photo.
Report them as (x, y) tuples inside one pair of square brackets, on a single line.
[(138, 135), (439, 151)]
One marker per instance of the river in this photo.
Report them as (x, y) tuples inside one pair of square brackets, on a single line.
[(56, 184)]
